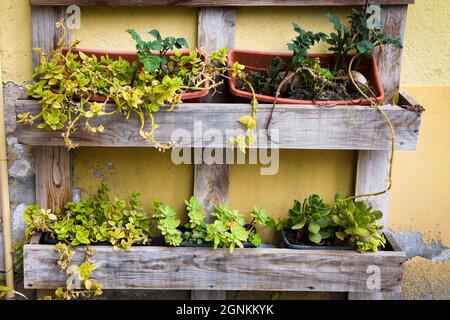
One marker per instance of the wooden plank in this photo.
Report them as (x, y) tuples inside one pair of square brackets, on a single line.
[(36, 238), (373, 166), (390, 58), (371, 176), (44, 34), (300, 127), (211, 184), (262, 269), (206, 3), (394, 244), (216, 27), (53, 177), (53, 167)]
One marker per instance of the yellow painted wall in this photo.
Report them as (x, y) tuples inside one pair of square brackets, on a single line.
[(420, 196), (418, 175)]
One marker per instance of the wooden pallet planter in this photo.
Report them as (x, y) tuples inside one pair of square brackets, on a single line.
[(264, 269), (205, 271)]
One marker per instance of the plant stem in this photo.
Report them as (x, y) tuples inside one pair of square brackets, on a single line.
[(391, 128)]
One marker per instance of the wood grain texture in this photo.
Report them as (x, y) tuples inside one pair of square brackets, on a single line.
[(211, 184), (44, 34), (212, 3), (53, 177), (390, 58), (216, 28), (259, 269), (373, 166), (300, 127), (371, 176), (53, 164)]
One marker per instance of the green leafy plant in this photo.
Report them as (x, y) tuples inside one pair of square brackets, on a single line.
[(228, 228), (356, 37), (66, 84), (356, 224), (301, 44), (76, 273), (345, 222), (312, 218), (306, 78), (146, 49), (167, 223), (95, 219), (197, 222)]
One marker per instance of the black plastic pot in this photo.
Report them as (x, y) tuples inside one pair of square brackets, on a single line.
[(159, 241), (47, 239), (287, 244)]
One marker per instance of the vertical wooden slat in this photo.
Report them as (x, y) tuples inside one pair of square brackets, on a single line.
[(211, 183), (215, 30), (373, 166), (371, 176), (53, 177), (53, 164), (390, 58)]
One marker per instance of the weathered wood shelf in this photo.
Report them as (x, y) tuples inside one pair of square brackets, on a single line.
[(212, 3), (197, 125), (208, 269)]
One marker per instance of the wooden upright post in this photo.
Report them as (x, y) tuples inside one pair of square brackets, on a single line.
[(373, 166), (53, 164), (215, 30)]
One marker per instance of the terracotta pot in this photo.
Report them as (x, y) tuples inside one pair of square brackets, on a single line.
[(131, 56), (259, 60)]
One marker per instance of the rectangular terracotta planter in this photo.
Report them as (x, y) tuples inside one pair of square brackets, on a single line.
[(131, 56), (258, 61)]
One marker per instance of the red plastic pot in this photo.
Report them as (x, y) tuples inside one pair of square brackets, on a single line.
[(131, 56), (259, 60)]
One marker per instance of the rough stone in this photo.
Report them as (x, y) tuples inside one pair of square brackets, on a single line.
[(444, 256), (21, 168), (11, 92), (413, 245)]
